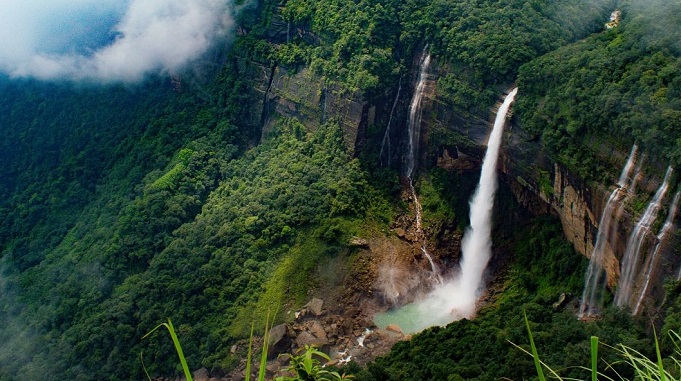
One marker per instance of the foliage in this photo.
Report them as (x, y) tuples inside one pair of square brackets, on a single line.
[(178, 347), (480, 349), (307, 367), (609, 88), (643, 367)]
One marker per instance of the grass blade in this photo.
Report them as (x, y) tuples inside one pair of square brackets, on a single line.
[(535, 355), (265, 348), (178, 347), (594, 358), (659, 357), (249, 356)]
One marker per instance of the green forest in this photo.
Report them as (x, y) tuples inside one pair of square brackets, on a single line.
[(125, 205)]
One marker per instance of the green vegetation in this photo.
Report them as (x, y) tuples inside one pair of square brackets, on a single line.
[(123, 206), (610, 87), (178, 348), (481, 349), (307, 367)]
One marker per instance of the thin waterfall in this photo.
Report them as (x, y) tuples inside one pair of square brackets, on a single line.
[(652, 260), (415, 110), (386, 135), (630, 260), (414, 135), (593, 285)]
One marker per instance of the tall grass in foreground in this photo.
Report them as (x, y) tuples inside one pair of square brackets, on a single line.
[(178, 348), (249, 357), (305, 366), (645, 369)]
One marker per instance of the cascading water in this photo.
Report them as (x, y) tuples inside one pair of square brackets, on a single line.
[(593, 286), (415, 110), (414, 135), (652, 260), (631, 258), (477, 241), (456, 298), (386, 136)]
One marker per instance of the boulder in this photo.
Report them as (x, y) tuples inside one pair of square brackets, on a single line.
[(278, 342), (201, 375), (315, 306)]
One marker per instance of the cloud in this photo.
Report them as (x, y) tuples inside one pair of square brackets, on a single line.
[(106, 40)]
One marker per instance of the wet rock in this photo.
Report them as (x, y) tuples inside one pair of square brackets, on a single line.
[(394, 328)]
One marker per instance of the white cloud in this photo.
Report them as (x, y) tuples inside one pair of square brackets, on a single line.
[(106, 40)]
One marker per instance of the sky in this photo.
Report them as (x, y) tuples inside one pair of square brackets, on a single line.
[(106, 40)]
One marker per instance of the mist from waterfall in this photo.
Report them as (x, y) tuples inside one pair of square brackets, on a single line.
[(593, 283), (631, 258), (652, 261)]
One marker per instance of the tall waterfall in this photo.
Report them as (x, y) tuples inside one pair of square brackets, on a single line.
[(476, 246), (631, 258), (593, 286), (652, 260), (456, 298), (414, 135)]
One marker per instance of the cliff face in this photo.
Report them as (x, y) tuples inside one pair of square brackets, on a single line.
[(285, 92), (538, 183)]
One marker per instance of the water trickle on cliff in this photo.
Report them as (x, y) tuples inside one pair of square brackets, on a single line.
[(385, 143), (414, 136), (593, 282), (652, 261), (456, 298), (632, 255)]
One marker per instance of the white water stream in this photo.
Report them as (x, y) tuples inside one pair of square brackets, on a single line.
[(652, 261), (456, 298), (593, 286), (631, 258)]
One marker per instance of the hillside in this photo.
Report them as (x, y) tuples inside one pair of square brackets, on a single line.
[(273, 171)]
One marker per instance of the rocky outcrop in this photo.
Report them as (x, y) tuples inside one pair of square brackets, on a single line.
[(297, 92)]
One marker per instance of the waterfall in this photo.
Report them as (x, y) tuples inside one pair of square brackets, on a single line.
[(414, 125), (651, 261), (476, 245), (594, 273), (456, 298), (631, 257), (414, 135), (386, 135)]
